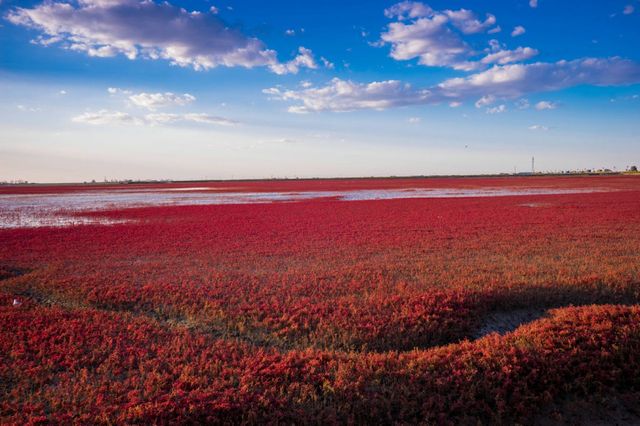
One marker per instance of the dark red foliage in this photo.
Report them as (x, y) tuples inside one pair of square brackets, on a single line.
[(93, 367)]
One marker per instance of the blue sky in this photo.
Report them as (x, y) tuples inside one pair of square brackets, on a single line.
[(207, 89)]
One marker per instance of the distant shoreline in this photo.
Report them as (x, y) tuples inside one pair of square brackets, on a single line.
[(286, 179)]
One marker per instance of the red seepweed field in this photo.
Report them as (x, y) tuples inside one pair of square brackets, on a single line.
[(437, 301)]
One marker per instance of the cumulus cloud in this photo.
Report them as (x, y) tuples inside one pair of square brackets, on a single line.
[(146, 29), (433, 37), (466, 21), (408, 9), (344, 95), (436, 38), (497, 109), (542, 105), (510, 81), (153, 101), (517, 31), (502, 57), (515, 80), (305, 59), (485, 100)]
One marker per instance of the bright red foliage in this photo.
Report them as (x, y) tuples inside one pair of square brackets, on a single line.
[(310, 311)]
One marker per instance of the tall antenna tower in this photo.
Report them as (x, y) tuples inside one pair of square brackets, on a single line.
[(533, 165)]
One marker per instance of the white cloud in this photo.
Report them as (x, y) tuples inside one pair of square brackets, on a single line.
[(408, 9), (515, 80), (542, 105), (485, 100), (102, 3), (503, 57), (290, 32), (146, 29), (165, 118), (455, 104), (499, 82), (497, 109), (104, 117), (466, 21), (433, 37), (428, 39), (538, 127), (62, 92), (628, 9), (414, 120), (327, 64), (276, 92), (161, 118), (495, 45), (208, 119), (533, 3), (517, 31), (107, 117), (153, 101), (343, 95), (304, 59), (523, 103)]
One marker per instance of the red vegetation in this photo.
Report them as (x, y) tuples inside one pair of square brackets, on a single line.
[(322, 310), (88, 366)]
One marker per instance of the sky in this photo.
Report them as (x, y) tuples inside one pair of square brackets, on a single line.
[(179, 89)]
